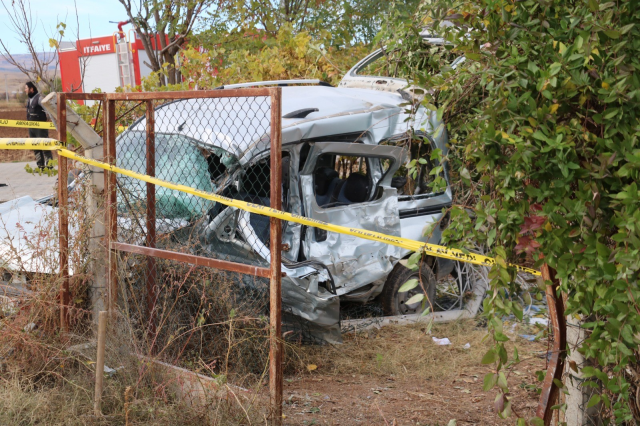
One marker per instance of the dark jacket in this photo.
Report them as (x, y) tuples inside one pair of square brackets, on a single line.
[(35, 112)]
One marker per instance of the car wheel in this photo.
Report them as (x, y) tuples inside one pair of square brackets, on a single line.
[(452, 290), (394, 303)]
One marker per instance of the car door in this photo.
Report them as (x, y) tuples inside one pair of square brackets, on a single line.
[(349, 184)]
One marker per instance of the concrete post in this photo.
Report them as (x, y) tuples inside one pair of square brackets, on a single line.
[(93, 148), (577, 413)]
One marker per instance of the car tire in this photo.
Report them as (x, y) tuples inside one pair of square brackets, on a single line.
[(451, 289), (393, 302)]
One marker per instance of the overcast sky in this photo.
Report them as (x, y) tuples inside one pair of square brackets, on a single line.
[(93, 17)]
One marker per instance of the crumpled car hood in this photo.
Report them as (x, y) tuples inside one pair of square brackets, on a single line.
[(340, 110)]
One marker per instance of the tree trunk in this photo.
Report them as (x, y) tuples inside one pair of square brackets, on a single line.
[(173, 73)]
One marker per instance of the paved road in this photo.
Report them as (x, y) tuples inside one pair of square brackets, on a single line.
[(20, 183)]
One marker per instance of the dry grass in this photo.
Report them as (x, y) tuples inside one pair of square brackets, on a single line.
[(43, 382), (407, 351), (12, 105), (70, 402)]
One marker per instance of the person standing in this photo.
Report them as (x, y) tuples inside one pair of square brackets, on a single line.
[(35, 112)]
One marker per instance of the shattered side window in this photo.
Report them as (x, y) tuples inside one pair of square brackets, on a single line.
[(178, 160), (418, 175), (432, 58), (379, 66), (341, 180), (255, 187)]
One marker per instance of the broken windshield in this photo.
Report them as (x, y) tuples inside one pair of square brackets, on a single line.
[(178, 160)]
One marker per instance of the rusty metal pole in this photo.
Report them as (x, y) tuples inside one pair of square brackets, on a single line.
[(111, 206), (275, 343), (151, 218), (550, 390), (63, 215), (107, 242)]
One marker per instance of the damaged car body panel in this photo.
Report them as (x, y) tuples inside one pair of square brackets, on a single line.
[(327, 127), (371, 205), (341, 150)]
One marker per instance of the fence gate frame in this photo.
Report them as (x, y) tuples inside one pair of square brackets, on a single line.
[(274, 272)]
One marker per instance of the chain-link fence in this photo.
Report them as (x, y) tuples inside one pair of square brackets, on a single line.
[(196, 282)]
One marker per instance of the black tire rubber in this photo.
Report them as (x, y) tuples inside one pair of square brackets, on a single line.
[(400, 275)]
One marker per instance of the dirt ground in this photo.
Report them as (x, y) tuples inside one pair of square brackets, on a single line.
[(445, 384)]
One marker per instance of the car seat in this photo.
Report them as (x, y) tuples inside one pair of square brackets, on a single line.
[(325, 181), (354, 190)]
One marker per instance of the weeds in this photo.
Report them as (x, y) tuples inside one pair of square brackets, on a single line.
[(202, 324)]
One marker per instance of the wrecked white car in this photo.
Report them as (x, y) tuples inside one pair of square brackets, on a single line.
[(342, 149), (345, 156)]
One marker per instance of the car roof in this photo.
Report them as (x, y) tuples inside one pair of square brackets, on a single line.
[(240, 126)]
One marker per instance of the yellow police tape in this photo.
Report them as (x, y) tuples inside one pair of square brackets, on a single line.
[(430, 249), (26, 124), (30, 143)]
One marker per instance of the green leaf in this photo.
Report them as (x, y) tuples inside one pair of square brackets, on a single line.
[(502, 382), (502, 353), (415, 299), (490, 357), (626, 28), (537, 421), (539, 135), (412, 262), (500, 337), (593, 401), (491, 236), (517, 311), (409, 285), (490, 380), (611, 113), (612, 34)]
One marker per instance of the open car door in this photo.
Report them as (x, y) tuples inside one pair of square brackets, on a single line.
[(349, 184)]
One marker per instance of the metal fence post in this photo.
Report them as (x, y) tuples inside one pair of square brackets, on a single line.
[(550, 390), (111, 206), (151, 218), (275, 343), (63, 218)]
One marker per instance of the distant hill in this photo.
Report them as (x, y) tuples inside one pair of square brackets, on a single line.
[(7, 68), (12, 76)]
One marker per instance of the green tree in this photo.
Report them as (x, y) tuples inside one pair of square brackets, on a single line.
[(251, 40), (164, 26), (543, 117)]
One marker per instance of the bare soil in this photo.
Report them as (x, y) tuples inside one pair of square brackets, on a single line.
[(350, 387)]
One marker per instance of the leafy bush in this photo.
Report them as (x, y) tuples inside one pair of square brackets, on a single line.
[(289, 55), (543, 122)]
